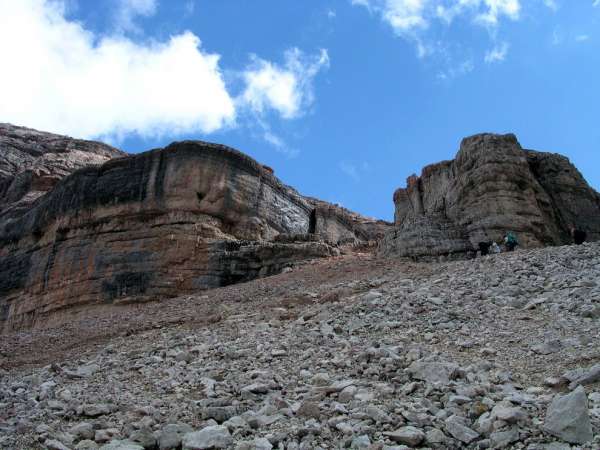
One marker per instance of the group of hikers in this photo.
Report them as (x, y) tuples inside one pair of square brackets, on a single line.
[(510, 242)]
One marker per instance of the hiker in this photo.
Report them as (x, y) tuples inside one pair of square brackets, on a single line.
[(579, 236), (484, 248), (510, 242), (495, 248)]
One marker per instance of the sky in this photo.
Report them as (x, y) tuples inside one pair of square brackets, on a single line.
[(343, 98)]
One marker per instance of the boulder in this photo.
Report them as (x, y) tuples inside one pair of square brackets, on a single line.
[(568, 417)]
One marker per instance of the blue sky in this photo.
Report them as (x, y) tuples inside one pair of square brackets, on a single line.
[(343, 98)]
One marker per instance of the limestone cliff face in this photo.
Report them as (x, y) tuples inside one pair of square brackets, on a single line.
[(142, 227), (491, 187), (32, 162)]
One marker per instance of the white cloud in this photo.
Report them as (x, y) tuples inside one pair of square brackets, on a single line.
[(596, 3), (128, 10), (66, 79), (287, 89), (407, 17), (424, 24), (582, 37), (499, 8), (497, 54)]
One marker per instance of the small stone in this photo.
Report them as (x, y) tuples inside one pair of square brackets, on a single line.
[(502, 439), (83, 430), (96, 410), (52, 444), (433, 372), (210, 437), (262, 444), (86, 444), (122, 445), (144, 437), (410, 436), (508, 413), (219, 413), (309, 409), (360, 442), (105, 435), (458, 430), (435, 437), (171, 435)]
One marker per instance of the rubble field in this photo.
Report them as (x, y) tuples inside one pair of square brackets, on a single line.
[(353, 352)]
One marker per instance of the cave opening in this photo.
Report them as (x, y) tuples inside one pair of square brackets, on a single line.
[(312, 222)]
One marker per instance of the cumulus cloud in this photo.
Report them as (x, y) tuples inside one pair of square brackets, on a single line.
[(497, 53), (66, 79), (287, 89)]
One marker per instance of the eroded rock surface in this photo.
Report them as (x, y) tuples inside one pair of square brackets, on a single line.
[(492, 186), (141, 227), (32, 162)]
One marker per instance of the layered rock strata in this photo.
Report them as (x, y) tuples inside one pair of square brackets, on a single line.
[(166, 222), (32, 162), (492, 186)]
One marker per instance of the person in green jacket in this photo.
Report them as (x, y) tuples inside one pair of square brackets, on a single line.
[(510, 242)]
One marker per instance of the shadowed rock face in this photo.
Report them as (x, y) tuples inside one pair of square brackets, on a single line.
[(491, 187), (166, 222)]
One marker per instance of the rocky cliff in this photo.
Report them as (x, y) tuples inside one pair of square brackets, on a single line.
[(166, 222), (32, 162), (491, 187)]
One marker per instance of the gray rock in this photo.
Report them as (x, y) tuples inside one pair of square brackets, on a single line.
[(408, 435), (52, 444), (568, 417), (435, 437), (502, 439), (171, 435), (96, 410), (508, 413), (458, 430), (433, 372), (210, 437), (83, 430), (588, 376), (144, 437), (87, 444), (262, 444), (121, 445), (360, 442)]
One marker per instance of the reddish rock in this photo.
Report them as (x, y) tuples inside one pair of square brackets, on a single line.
[(142, 227)]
